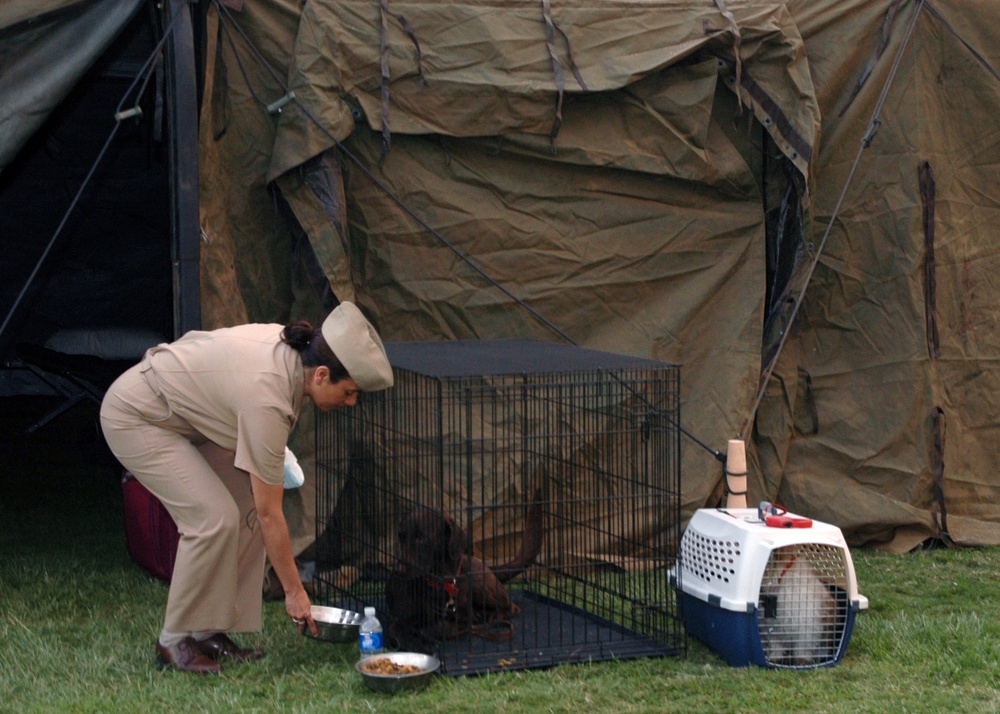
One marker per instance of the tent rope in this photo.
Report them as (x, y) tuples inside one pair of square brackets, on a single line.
[(866, 141), (120, 115), (982, 60)]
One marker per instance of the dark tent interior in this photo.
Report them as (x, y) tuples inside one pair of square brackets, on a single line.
[(85, 217)]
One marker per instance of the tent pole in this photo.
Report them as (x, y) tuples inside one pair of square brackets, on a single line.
[(183, 142)]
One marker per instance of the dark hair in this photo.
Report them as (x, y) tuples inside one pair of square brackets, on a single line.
[(312, 347)]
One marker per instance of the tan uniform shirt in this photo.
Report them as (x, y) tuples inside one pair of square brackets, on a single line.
[(241, 387)]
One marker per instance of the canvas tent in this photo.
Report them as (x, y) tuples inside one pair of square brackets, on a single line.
[(793, 200)]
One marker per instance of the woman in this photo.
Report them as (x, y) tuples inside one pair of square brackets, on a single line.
[(203, 423)]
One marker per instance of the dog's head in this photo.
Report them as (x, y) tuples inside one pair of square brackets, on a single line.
[(431, 541)]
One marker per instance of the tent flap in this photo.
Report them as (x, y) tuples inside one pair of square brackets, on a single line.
[(44, 58), (485, 69)]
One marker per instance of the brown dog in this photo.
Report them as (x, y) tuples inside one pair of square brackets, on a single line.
[(439, 590)]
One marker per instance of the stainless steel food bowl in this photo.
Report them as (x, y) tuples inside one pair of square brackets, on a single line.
[(392, 683), (335, 624)]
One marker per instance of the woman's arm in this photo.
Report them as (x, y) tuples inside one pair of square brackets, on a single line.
[(278, 544)]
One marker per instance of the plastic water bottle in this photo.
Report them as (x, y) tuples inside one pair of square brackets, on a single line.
[(370, 634)]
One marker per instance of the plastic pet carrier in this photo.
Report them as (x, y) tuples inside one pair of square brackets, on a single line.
[(775, 591)]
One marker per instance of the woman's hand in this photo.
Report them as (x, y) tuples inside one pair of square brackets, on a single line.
[(298, 607)]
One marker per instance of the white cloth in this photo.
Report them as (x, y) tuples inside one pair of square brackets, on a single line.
[(294, 476)]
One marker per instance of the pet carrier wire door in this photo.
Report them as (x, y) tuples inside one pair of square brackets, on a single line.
[(772, 596), (508, 504)]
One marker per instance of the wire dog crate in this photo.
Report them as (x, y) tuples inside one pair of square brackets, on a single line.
[(559, 465), (777, 597)]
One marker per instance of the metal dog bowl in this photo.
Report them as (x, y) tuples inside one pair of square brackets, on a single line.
[(392, 683), (335, 624)]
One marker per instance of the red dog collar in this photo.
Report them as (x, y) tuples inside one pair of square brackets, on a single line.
[(448, 586)]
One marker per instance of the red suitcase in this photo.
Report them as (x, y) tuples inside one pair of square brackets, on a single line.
[(150, 533)]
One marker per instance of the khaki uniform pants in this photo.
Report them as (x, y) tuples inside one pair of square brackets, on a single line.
[(219, 571)]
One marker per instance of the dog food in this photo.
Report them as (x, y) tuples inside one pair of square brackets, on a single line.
[(388, 667)]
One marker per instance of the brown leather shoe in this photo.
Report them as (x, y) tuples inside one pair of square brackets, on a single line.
[(187, 657), (219, 646)]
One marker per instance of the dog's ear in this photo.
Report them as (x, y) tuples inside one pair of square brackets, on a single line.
[(457, 540)]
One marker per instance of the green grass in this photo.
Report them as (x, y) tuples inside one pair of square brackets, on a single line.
[(78, 621)]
